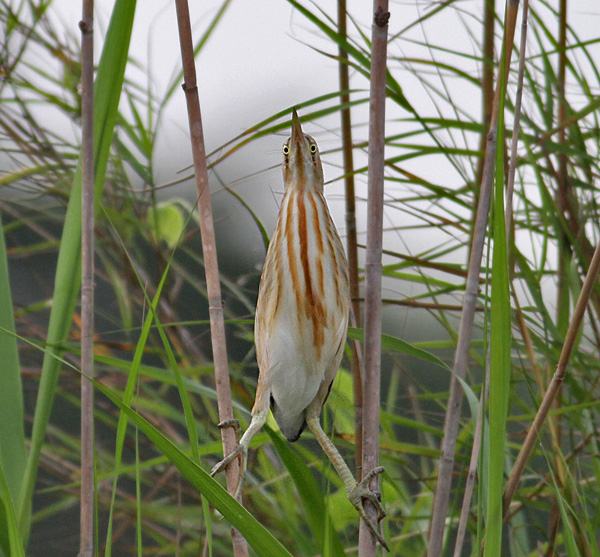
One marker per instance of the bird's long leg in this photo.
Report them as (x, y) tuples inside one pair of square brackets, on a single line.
[(356, 491), (258, 420)]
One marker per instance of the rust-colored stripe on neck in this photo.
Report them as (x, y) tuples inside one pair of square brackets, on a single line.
[(335, 263), (313, 305), (291, 254), (278, 278), (319, 240)]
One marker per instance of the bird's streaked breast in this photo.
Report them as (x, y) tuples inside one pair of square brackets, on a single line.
[(305, 281)]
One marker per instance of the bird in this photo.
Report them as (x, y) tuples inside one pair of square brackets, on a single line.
[(301, 320)]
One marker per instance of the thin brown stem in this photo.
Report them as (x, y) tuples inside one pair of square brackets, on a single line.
[(373, 269), (86, 534), (351, 240), (557, 380), (562, 194), (473, 466), (213, 288), (446, 466), (517, 121), (565, 254), (487, 83)]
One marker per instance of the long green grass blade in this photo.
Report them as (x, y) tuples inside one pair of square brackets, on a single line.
[(10, 540), (500, 346), (398, 345), (12, 433)]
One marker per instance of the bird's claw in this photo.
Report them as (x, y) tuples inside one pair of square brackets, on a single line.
[(222, 465), (363, 491), (232, 422)]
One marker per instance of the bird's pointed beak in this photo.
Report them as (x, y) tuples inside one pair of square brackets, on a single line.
[(302, 167), (297, 133)]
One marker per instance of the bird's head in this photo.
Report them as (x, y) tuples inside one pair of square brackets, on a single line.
[(302, 167)]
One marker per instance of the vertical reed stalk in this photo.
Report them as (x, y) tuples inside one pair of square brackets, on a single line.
[(487, 84), (86, 539), (372, 353), (516, 121), (562, 201), (564, 253), (217, 322), (472, 475), (446, 466), (351, 241)]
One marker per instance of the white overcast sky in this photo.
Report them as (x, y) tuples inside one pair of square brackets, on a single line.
[(260, 61)]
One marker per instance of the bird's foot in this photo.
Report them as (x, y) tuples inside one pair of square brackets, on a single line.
[(240, 449), (362, 491)]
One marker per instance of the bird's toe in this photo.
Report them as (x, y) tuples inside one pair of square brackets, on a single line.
[(233, 422), (362, 491), (220, 466)]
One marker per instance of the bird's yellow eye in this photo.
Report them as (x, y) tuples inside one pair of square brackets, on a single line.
[(286, 150), (313, 148)]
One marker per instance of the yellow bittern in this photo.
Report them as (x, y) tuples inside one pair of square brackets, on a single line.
[(302, 318)]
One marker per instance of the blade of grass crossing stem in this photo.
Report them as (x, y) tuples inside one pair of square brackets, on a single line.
[(12, 433), (327, 541), (500, 344), (107, 92), (255, 533)]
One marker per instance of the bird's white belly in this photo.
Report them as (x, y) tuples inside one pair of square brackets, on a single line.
[(295, 372)]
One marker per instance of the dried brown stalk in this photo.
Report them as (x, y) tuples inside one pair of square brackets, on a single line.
[(209, 251), (473, 466), (565, 253), (86, 534), (487, 83), (372, 352), (510, 186)]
